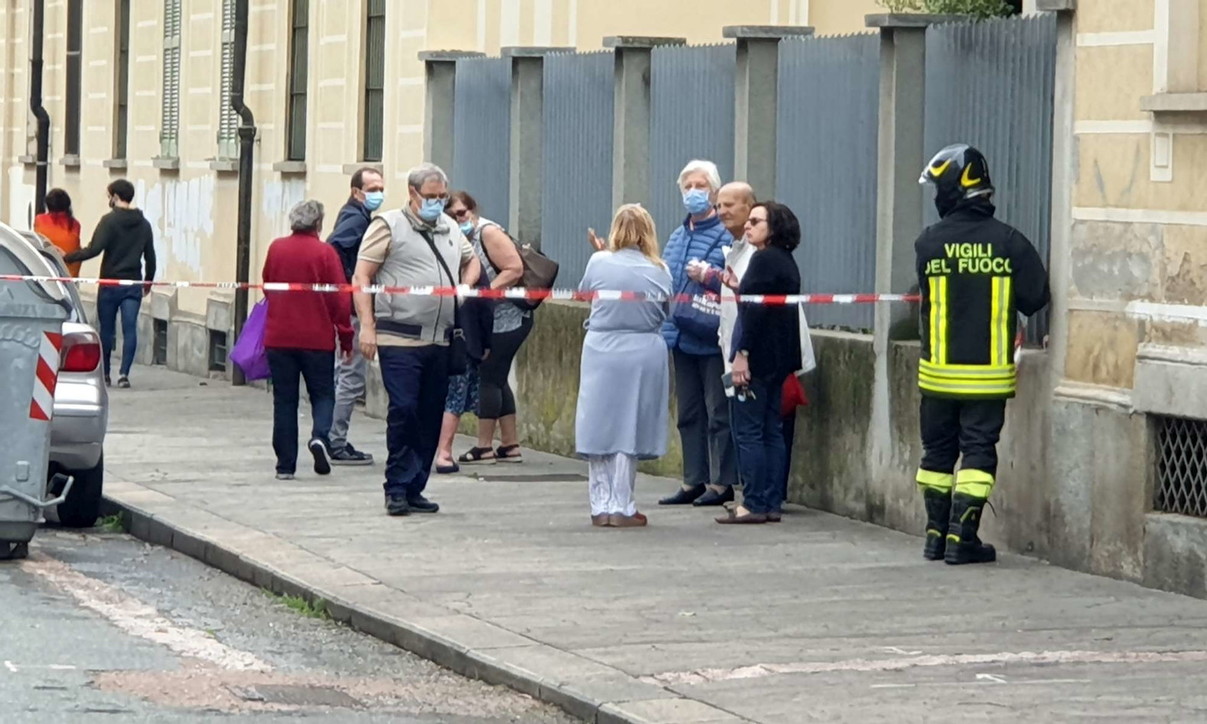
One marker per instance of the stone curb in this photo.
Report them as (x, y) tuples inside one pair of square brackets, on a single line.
[(535, 669)]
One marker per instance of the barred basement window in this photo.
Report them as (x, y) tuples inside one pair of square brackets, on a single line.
[(228, 120), (169, 128), (159, 352), (121, 109), (75, 32), (1181, 466), (299, 76), (375, 80), (217, 351)]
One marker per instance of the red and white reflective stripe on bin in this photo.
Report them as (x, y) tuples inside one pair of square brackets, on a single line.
[(41, 407)]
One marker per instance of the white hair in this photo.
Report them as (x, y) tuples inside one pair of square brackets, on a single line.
[(306, 216), (425, 172), (708, 168)]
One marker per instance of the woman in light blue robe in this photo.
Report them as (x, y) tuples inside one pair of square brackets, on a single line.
[(625, 380)]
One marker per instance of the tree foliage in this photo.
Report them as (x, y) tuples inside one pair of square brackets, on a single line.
[(976, 8)]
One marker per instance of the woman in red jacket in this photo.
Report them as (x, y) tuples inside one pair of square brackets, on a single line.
[(300, 336)]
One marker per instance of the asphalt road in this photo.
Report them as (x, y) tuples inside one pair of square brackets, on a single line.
[(101, 627)]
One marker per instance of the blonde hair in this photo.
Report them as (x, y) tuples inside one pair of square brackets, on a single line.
[(633, 228)]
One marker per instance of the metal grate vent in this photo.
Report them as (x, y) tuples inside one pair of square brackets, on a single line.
[(1181, 466)]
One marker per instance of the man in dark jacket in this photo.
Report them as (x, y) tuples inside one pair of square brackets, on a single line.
[(975, 274), (125, 238), (368, 192)]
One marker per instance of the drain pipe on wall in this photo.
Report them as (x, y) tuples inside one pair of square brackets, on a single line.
[(42, 157), (247, 140)]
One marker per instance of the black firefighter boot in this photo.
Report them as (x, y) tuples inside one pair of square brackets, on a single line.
[(963, 544), (938, 512)]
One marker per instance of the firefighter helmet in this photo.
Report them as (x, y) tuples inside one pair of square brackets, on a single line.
[(958, 172)]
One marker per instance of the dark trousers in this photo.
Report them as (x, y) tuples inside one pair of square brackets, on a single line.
[(951, 428), (789, 428), (495, 397), (708, 447), (287, 367), (759, 432), (416, 381), (109, 301)]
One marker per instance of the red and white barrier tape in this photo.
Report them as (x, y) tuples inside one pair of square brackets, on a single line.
[(466, 292)]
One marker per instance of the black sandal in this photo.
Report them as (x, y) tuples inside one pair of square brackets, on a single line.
[(448, 469), (477, 456), (503, 454)]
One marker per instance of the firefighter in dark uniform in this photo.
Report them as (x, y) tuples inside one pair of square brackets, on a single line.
[(975, 275)]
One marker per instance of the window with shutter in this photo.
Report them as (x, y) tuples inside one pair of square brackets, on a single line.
[(299, 76), (228, 120), (75, 31), (375, 72), (122, 80), (169, 129)]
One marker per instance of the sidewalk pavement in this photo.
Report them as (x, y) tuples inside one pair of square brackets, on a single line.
[(685, 622)]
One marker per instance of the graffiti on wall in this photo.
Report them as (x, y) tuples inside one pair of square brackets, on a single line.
[(182, 216)]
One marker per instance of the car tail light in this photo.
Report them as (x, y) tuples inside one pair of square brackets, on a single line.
[(81, 352)]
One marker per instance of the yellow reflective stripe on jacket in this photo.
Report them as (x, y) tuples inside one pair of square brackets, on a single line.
[(999, 321), (968, 370), (968, 380), (938, 319), (969, 389)]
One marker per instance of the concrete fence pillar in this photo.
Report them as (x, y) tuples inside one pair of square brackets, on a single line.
[(440, 71), (631, 135), (756, 97), (527, 139), (902, 154)]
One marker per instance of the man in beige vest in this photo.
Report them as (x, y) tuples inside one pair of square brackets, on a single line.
[(416, 246)]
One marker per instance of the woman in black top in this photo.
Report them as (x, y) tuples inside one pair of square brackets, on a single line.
[(766, 349)]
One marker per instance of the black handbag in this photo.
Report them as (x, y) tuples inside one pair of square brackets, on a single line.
[(458, 350)]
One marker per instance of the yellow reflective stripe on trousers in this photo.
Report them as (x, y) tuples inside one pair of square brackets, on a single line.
[(976, 483), (938, 319), (931, 479)]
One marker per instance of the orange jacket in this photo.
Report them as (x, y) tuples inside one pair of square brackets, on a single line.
[(62, 231)]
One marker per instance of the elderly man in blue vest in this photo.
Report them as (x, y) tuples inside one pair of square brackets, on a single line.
[(368, 193), (415, 246)]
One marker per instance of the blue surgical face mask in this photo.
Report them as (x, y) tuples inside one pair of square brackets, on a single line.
[(696, 201), (430, 209), (374, 200), (467, 228)]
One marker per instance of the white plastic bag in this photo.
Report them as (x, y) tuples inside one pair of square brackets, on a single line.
[(808, 360)]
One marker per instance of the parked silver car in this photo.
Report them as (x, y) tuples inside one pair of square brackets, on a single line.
[(81, 403)]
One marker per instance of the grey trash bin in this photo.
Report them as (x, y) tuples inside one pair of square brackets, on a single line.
[(31, 325)]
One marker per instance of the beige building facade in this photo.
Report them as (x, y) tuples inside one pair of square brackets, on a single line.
[(359, 99)]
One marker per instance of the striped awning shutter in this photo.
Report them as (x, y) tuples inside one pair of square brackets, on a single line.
[(228, 120), (169, 128)]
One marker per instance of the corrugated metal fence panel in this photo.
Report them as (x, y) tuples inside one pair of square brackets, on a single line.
[(578, 158), (826, 168), (991, 84), (691, 109), (481, 131)]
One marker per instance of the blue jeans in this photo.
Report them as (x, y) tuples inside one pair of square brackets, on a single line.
[(416, 381), (109, 300), (317, 368), (758, 431)]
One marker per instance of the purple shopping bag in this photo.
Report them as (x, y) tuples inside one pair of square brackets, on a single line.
[(249, 352)]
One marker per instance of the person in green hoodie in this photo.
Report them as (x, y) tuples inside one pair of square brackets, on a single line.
[(125, 238)]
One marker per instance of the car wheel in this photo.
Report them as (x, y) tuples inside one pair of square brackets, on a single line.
[(83, 504)]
